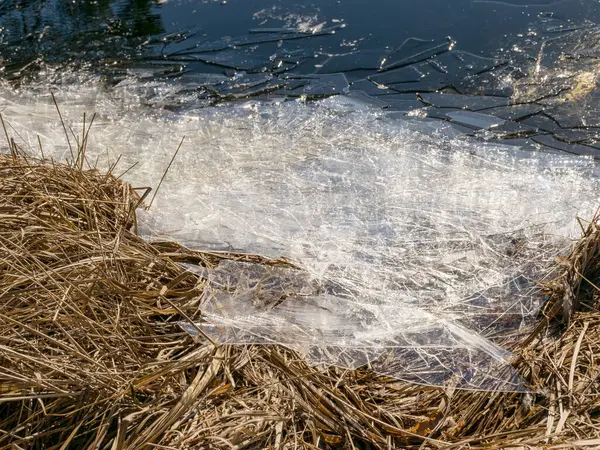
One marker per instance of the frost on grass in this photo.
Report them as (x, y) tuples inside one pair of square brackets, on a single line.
[(414, 245)]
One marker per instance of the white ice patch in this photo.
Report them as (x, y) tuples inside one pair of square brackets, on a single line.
[(414, 243)]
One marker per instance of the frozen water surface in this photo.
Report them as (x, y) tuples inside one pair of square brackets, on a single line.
[(414, 245)]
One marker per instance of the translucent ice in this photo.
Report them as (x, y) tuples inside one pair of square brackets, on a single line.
[(412, 244)]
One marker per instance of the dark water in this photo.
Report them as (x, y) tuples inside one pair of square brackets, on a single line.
[(517, 70), (41, 27)]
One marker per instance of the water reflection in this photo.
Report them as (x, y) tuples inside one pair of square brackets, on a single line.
[(59, 31)]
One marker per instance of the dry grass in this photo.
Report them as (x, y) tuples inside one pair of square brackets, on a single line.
[(91, 356)]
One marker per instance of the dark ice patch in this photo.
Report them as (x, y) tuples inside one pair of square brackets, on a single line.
[(510, 130), (248, 84), (229, 42), (542, 123), (573, 115), (474, 120), (484, 83), (292, 84), (458, 61), (368, 99), (369, 88), (415, 50), (467, 119), (229, 59), (577, 149), (430, 83), (458, 101), (408, 74), (316, 85), (358, 60), (401, 102), (515, 112), (574, 136)]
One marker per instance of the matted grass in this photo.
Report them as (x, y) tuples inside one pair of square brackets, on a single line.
[(91, 356)]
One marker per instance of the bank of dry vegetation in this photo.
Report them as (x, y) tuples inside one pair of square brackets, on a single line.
[(91, 356)]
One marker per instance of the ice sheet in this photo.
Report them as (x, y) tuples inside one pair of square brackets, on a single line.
[(248, 303), (414, 245)]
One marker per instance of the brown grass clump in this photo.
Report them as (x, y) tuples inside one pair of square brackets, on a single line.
[(91, 356)]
